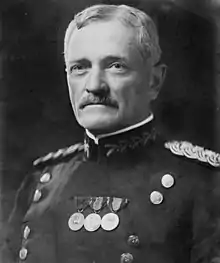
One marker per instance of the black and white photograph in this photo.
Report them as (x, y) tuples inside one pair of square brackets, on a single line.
[(110, 131)]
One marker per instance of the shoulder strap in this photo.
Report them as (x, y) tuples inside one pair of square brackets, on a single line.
[(187, 149), (61, 153)]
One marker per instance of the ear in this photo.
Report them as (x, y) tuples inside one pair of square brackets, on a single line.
[(158, 75)]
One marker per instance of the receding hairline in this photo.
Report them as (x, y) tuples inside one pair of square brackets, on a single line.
[(132, 39), (146, 28)]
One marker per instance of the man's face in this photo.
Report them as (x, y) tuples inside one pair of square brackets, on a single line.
[(109, 81)]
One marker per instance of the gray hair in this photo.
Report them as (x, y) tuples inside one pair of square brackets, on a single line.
[(147, 35)]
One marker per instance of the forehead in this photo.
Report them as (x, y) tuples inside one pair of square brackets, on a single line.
[(101, 39)]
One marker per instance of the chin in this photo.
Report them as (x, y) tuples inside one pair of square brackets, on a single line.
[(102, 122), (98, 126)]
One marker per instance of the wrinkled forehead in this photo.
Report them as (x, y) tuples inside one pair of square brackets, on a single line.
[(102, 38)]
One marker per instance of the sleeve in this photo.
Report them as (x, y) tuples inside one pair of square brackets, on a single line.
[(206, 222), (11, 233)]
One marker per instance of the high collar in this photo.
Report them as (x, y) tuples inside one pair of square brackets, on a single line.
[(118, 132), (123, 140)]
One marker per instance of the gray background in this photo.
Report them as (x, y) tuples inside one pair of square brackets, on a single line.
[(36, 115)]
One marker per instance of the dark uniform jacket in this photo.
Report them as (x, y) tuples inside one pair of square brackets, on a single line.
[(131, 197)]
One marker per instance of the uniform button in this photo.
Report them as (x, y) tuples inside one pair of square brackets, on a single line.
[(167, 181), (23, 253), (133, 240), (127, 258), (37, 195), (27, 231), (45, 178), (156, 197)]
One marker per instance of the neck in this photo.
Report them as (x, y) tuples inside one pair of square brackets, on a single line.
[(134, 126)]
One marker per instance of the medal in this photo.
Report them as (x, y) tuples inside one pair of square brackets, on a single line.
[(76, 221), (110, 221), (92, 222)]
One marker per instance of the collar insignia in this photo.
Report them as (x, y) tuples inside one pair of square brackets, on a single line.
[(130, 143)]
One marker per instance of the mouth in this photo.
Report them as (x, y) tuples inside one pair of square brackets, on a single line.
[(96, 104)]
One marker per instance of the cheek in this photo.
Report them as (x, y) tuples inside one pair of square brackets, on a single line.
[(128, 89), (74, 90), (73, 94), (70, 87)]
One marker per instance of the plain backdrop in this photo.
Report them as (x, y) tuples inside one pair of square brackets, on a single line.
[(36, 115)]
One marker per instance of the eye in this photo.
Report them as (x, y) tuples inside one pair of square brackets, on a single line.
[(77, 69), (118, 67)]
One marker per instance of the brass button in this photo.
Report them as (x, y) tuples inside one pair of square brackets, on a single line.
[(45, 178), (23, 253), (37, 195), (156, 197), (27, 231), (167, 180), (127, 258), (133, 240)]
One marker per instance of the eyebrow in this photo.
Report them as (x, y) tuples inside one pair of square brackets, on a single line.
[(80, 60), (104, 59)]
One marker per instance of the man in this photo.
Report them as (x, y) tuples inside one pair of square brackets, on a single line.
[(125, 194)]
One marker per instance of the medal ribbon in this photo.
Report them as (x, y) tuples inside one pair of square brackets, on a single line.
[(115, 203), (81, 203), (97, 203)]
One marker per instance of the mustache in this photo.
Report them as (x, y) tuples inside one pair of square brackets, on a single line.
[(92, 99)]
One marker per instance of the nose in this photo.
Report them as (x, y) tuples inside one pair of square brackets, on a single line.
[(96, 82)]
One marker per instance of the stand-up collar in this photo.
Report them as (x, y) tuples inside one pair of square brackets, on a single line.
[(119, 141), (121, 131)]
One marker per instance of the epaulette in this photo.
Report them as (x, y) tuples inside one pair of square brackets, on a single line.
[(61, 153), (187, 149)]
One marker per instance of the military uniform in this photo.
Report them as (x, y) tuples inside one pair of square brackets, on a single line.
[(129, 197)]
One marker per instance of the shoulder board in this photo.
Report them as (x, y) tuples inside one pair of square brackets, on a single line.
[(191, 151), (59, 154)]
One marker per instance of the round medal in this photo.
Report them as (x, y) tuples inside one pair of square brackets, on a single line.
[(76, 221), (110, 221), (92, 222)]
